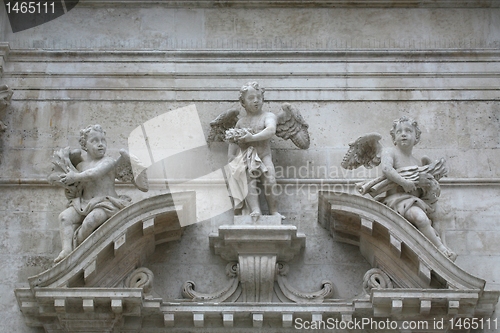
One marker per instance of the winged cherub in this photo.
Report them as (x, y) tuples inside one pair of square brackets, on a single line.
[(249, 151), (410, 185), (89, 183)]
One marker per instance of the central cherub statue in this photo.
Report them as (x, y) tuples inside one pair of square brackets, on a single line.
[(410, 185), (89, 183), (249, 151)]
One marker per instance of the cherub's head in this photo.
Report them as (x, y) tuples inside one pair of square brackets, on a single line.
[(251, 96), (89, 132), (405, 120)]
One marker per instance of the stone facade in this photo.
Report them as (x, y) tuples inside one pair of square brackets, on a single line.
[(349, 67)]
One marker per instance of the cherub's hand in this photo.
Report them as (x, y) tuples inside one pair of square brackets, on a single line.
[(408, 186), (69, 178), (246, 138)]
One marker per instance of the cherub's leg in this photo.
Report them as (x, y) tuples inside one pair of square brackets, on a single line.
[(270, 190), (252, 199), (68, 222), (93, 220), (418, 217)]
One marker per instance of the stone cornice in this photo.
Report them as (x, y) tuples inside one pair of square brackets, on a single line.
[(295, 4), (227, 51)]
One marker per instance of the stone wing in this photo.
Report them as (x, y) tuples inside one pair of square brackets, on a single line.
[(365, 151), (66, 160), (291, 125), (125, 166), (221, 124)]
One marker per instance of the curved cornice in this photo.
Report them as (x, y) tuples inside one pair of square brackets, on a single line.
[(117, 247), (389, 241)]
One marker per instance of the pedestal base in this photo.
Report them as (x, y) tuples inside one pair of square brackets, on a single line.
[(257, 248), (262, 220)]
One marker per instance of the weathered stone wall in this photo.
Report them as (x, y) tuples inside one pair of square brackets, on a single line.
[(111, 23), (350, 71)]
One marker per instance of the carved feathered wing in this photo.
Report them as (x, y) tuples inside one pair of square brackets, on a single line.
[(291, 125), (221, 124), (124, 170), (64, 161), (364, 151)]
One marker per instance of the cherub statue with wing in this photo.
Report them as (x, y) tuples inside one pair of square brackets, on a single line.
[(249, 151), (89, 183), (410, 185)]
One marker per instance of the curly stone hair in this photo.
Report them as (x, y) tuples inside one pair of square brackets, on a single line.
[(244, 89), (84, 134), (405, 119)]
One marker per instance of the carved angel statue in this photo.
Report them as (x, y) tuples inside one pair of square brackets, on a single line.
[(249, 150), (410, 185), (89, 183)]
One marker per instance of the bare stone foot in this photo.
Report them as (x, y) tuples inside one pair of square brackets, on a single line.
[(451, 255), (255, 216), (448, 253), (62, 255)]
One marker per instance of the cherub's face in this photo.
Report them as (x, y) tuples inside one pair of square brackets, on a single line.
[(252, 100), (404, 135), (96, 144)]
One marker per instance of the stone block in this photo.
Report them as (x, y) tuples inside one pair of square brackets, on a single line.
[(262, 220)]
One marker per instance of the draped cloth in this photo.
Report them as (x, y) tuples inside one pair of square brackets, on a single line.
[(246, 164), (109, 205), (401, 202)]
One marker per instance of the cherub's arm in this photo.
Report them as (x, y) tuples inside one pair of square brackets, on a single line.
[(55, 178), (266, 134), (98, 171), (390, 173)]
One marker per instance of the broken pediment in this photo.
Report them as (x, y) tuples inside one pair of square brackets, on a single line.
[(104, 286), (424, 278)]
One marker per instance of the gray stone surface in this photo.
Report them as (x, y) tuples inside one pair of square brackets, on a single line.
[(348, 71)]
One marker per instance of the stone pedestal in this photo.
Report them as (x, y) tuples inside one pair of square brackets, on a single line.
[(257, 247)]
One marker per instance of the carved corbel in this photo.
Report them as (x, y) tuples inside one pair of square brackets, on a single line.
[(290, 294), (231, 289)]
